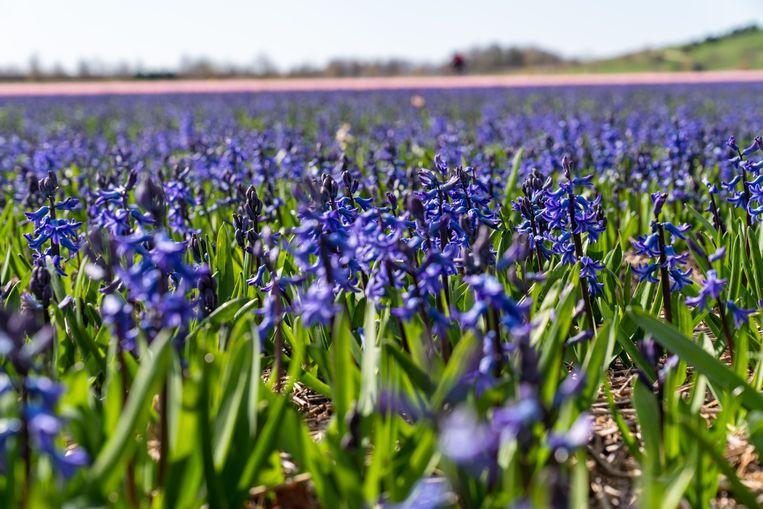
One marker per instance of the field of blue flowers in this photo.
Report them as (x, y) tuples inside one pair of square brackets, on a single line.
[(399, 299)]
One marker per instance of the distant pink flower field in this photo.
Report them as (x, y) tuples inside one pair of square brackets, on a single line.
[(394, 83)]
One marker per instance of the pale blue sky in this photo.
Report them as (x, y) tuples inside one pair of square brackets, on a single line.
[(157, 33)]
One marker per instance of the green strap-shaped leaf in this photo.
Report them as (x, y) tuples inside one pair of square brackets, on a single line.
[(109, 465), (718, 373)]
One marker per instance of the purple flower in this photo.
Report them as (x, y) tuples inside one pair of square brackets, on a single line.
[(647, 245), (677, 231), (711, 289), (70, 461), (167, 255), (757, 144), (467, 441), (318, 305), (719, 253), (38, 215), (570, 387), (732, 144), (576, 437), (658, 199), (680, 279), (581, 336), (45, 389), (589, 269), (490, 293), (118, 313), (44, 426), (508, 421), (428, 493), (646, 272), (740, 315)]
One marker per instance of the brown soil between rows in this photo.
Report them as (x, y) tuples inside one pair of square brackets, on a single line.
[(614, 473)]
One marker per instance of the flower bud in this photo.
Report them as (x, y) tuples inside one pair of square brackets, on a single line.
[(150, 197), (39, 285), (49, 185)]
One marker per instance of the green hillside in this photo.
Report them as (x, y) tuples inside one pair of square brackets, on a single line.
[(740, 49)]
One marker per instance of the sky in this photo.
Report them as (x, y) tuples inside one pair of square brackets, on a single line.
[(156, 34)]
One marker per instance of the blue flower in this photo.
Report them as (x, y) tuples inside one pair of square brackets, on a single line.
[(37, 216), (70, 461), (677, 231), (740, 315), (118, 313), (427, 493), (718, 254), (167, 255), (658, 199), (646, 272), (756, 145), (732, 144), (44, 426), (509, 420), (467, 441), (711, 289), (647, 245), (318, 305), (575, 438), (588, 270), (680, 279), (490, 293), (570, 387)]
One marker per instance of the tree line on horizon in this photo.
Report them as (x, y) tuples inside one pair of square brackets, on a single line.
[(490, 59)]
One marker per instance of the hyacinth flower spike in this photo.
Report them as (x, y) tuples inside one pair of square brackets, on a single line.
[(668, 263), (743, 198), (713, 208), (712, 290), (659, 201), (575, 228), (51, 233), (530, 207)]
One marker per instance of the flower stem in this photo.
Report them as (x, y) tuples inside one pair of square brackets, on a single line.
[(726, 330), (53, 244), (130, 488), (497, 349), (664, 275), (278, 334), (579, 254), (164, 434)]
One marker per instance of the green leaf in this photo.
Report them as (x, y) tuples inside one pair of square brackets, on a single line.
[(650, 425), (740, 491), (706, 225), (109, 464), (236, 383), (514, 175), (343, 368), (224, 266), (266, 438), (717, 373), (598, 357), (369, 390), (417, 377), (216, 496)]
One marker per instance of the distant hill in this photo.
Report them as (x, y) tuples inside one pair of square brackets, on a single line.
[(739, 49)]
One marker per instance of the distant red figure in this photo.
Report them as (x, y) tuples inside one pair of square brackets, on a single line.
[(458, 63)]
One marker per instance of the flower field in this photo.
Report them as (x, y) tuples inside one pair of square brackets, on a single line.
[(488, 298)]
